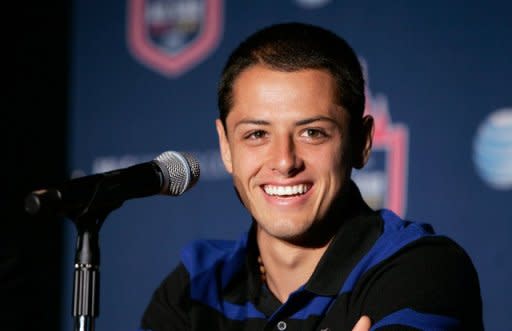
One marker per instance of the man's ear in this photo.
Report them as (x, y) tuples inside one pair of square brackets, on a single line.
[(225, 152), (363, 142)]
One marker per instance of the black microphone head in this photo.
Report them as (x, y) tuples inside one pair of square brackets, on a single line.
[(180, 171)]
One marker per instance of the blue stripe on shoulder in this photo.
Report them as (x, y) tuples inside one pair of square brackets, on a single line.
[(397, 233), (214, 256), (211, 264), (421, 321)]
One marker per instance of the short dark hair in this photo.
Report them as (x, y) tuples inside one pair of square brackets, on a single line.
[(295, 46)]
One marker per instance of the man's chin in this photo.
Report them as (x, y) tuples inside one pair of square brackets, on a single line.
[(284, 230), (307, 236)]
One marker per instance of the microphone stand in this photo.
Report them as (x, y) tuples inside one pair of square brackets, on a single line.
[(86, 280)]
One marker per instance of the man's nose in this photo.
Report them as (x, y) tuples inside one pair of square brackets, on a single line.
[(284, 157)]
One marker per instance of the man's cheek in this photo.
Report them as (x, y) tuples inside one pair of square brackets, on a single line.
[(240, 191)]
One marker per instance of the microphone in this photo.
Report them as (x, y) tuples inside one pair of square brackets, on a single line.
[(170, 173)]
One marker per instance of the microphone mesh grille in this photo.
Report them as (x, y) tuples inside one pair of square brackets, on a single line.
[(180, 172), (193, 166)]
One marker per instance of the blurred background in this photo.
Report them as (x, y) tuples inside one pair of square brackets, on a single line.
[(101, 85)]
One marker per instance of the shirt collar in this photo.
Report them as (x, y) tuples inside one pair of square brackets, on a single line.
[(353, 239)]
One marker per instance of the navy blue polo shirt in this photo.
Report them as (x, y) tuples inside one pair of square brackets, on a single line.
[(397, 272)]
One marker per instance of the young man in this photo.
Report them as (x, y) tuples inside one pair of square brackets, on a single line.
[(291, 128)]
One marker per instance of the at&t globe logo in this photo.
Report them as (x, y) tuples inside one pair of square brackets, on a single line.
[(493, 149)]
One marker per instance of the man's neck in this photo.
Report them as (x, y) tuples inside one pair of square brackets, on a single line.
[(286, 266)]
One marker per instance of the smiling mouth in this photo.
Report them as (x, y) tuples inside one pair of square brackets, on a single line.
[(286, 190)]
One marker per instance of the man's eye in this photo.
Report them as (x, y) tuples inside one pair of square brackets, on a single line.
[(256, 134), (313, 133)]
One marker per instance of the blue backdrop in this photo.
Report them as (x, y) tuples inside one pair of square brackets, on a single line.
[(143, 81)]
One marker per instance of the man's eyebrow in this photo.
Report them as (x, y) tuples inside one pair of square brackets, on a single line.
[(298, 123), (252, 121), (314, 119)]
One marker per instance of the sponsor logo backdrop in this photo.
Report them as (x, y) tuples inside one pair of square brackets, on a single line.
[(143, 81)]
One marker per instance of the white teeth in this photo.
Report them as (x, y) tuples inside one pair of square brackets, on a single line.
[(286, 190)]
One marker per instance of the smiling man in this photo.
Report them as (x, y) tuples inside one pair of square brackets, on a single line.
[(316, 257)]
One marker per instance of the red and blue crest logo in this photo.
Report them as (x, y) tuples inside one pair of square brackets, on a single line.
[(383, 181), (172, 36)]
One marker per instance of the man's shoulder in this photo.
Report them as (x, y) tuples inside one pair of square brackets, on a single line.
[(405, 237), (414, 272), (395, 224), (401, 235), (204, 255), (410, 246)]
